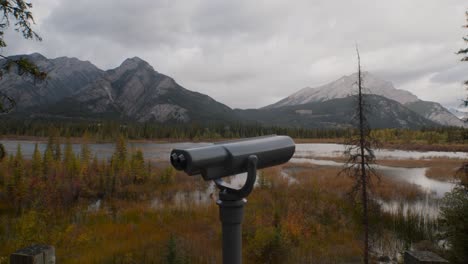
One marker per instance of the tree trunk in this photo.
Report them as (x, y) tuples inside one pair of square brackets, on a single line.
[(363, 165)]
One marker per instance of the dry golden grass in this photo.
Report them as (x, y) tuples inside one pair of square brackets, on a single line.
[(422, 146), (388, 189), (440, 169), (288, 223), (328, 179), (443, 169)]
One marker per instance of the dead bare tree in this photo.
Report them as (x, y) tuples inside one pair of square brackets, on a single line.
[(360, 155)]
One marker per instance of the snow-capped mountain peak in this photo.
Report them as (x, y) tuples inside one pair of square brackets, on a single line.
[(347, 86), (344, 87)]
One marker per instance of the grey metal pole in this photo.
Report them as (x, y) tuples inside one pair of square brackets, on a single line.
[(231, 214)]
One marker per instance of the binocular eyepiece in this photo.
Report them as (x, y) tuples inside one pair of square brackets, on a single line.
[(230, 157)]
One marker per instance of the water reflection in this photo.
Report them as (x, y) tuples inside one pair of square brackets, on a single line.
[(425, 209), (410, 175), (336, 150)]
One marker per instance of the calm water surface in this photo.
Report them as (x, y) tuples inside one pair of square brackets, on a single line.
[(305, 153)]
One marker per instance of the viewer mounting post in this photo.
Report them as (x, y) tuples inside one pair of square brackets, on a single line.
[(230, 158), (231, 213)]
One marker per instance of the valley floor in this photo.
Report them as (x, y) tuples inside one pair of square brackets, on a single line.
[(128, 211)]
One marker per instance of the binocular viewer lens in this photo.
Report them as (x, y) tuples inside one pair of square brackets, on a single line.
[(178, 161)]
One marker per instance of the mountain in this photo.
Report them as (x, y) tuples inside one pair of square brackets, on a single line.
[(337, 113), (135, 91), (435, 112), (345, 86), (461, 113), (132, 91), (65, 77)]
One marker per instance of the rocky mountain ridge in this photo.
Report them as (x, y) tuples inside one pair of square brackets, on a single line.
[(135, 91), (346, 86), (338, 113), (65, 77)]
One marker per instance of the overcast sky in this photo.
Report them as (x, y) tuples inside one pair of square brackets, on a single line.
[(251, 53)]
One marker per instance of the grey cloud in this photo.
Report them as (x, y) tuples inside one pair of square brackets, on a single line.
[(135, 24), (457, 73), (266, 49)]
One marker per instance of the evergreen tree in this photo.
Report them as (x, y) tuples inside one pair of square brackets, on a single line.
[(3, 153), (454, 215), (171, 256), (138, 167), (36, 162), (18, 178), (19, 164), (48, 161), (360, 155), (85, 151), (70, 161), (120, 154), (454, 210), (464, 53), (57, 150)]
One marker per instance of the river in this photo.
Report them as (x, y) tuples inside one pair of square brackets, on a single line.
[(313, 153)]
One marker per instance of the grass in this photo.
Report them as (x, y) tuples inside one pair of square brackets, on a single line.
[(327, 178), (314, 220), (442, 169)]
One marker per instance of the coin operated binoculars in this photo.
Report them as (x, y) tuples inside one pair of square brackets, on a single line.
[(230, 158)]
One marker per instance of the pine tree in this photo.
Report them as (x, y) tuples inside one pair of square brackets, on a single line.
[(18, 179), (70, 161), (360, 155), (120, 154), (85, 151), (138, 167), (48, 162), (36, 162), (464, 53), (3, 153), (57, 150), (454, 212), (454, 209), (19, 164)]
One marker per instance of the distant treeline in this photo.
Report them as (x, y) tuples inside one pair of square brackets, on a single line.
[(110, 130)]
